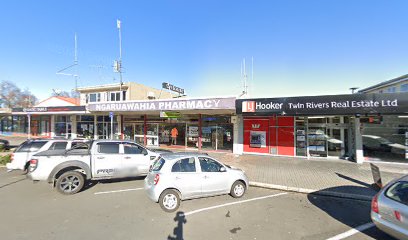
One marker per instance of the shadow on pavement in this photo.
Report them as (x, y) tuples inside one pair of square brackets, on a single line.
[(11, 183), (354, 180), (352, 213), (180, 218), (92, 183)]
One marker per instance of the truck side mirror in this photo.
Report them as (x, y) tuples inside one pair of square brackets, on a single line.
[(144, 152)]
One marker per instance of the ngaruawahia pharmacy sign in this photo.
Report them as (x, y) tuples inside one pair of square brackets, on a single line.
[(165, 105), (390, 103)]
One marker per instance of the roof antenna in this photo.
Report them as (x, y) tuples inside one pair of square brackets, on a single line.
[(244, 76), (75, 74)]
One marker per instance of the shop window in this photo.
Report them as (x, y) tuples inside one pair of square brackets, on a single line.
[(114, 96), (387, 141), (94, 97), (392, 89), (404, 87)]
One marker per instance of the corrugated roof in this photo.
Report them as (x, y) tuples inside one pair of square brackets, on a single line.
[(385, 83)]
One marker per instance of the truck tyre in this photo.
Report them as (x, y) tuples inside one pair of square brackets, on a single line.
[(169, 200), (70, 182)]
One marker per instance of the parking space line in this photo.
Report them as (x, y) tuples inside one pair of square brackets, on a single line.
[(233, 203), (116, 191), (353, 231)]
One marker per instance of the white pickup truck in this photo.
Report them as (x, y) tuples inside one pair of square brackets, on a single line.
[(68, 170)]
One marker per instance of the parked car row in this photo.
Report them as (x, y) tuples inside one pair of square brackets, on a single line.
[(170, 177)]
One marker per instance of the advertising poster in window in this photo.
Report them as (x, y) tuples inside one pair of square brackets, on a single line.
[(258, 139), (193, 131)]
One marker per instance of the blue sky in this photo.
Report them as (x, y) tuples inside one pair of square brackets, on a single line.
[(299, 47)]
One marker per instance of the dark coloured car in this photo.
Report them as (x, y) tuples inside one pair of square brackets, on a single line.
[(4, 144)]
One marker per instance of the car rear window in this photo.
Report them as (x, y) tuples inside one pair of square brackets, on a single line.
[(31, 146), (158, 164), (58, 145), (398, 192)]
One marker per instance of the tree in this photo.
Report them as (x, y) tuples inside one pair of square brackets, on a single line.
[(12, 96), (60, 93)]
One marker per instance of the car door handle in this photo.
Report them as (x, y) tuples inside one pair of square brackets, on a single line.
[(206, 177), (177, 178), (100, 158), (128, 157)]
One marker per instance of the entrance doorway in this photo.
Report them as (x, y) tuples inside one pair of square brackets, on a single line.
[(329, 137)]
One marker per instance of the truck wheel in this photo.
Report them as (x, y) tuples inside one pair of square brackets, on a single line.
[(70, 182), (238, 189), (169, 200)]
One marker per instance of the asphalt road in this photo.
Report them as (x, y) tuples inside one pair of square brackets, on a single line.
[(120, 210)]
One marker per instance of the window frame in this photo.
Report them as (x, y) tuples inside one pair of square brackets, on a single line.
[(179, 160), (221, 165), (135, 145), (393, 199), (52, 147), (107, 143)]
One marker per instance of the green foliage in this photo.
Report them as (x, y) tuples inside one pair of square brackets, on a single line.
[(5, 159)]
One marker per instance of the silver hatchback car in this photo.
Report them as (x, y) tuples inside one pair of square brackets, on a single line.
[(389, 208), (175, 177)]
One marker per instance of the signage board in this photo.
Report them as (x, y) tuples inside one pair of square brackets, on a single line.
[(50, 109), (172, 88), (375, 170), (165, 105), (170, 114), (391, 103)]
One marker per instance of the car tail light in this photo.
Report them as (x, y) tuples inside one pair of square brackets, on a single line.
[(374, 204), (397, 215), (12, 157), (156, 179), (33, 165)]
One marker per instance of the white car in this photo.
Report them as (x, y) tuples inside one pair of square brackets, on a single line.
[(99, 159), (21, 156), (180, 176)]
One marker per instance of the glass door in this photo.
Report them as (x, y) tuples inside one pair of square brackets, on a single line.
[(335, 142), (192, 136), (317, 141), (139, 133), (152, 134), (129, 131)]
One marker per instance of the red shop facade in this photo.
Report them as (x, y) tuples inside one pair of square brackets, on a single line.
[(273, 134), (338, 126)]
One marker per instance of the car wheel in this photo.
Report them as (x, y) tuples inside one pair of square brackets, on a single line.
[(238, 189), (70, 182), (169, 200)]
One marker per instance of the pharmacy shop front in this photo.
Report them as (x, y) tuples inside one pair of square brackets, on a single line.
[(199, 123), (360, 127)]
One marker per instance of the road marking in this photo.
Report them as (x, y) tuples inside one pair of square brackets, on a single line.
[(353, 231), (116, 191), (233, 203)]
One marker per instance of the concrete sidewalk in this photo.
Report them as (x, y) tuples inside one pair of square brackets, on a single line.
[(339, 178)]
